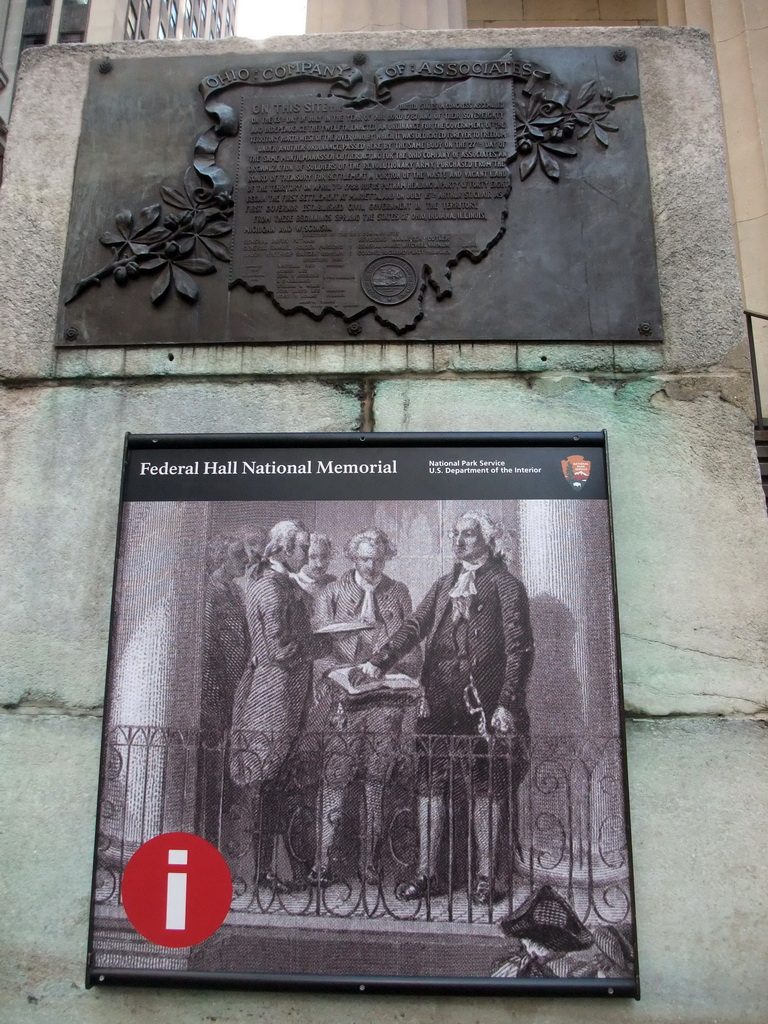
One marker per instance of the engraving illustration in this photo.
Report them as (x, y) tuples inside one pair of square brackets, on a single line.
[(355, 200), (396, 718)]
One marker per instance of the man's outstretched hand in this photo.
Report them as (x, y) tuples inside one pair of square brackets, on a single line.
[(372, 671), (502, 721)]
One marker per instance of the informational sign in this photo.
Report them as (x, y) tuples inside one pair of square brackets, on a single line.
[(437, 195), (363, 723)]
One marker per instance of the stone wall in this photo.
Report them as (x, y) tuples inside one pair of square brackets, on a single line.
[(690, 525)]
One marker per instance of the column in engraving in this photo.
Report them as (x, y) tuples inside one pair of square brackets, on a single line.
[(575, 807), (566, 568), (155, 671)]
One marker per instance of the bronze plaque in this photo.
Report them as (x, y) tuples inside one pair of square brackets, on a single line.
[(432, 196)]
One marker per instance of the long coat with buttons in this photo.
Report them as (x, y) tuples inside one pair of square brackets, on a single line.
[(499, 649), (272, 693), (342, 601)]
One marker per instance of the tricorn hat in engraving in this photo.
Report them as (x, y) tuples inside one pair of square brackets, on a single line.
[(550, 920)]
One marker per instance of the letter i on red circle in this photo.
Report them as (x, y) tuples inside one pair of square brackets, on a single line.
[(176, 890)]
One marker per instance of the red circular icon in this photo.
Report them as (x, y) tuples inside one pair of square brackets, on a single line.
[(177, 889)]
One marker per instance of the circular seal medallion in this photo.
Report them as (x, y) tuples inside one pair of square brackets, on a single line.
[(389, 280)]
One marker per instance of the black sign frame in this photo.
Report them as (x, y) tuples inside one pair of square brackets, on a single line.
[(549, 925)]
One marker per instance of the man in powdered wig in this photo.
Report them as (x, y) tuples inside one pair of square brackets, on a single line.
[(272, 694), (478, 655), (225, 654), (313, 575)]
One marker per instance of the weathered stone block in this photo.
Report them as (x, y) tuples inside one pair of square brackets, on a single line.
[(697, 268), (689, 520), (61, 464), (575, 358), (698, 809)]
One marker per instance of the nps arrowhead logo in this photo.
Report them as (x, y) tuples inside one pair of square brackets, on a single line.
[(576, 470)]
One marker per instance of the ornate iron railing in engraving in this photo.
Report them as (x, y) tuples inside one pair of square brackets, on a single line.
[(346, 822)]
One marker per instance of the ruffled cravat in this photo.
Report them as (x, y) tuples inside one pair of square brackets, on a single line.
[(463, 591), (307, 584), (368, 610)]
